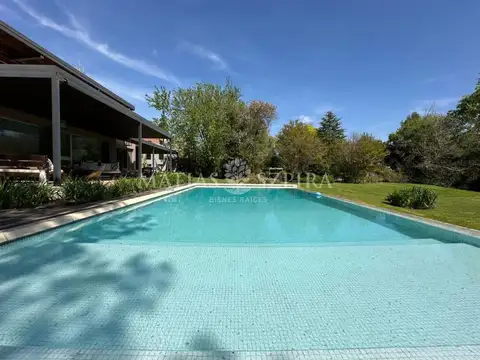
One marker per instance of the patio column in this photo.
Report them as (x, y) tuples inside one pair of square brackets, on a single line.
[(56, 139), (170, 157), (139, 152), (153, 158)]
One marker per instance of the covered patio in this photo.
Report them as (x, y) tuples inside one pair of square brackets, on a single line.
[(39, 90), (153, 152)]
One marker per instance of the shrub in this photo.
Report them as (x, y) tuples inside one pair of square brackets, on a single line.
[(371, 178), (123, 187), (392, 176), (25, 194), (83, 190), (415, 197), (422, 198), (399, 198), (167, 179)]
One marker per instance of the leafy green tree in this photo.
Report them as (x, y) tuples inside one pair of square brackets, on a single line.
[(332, 134), (359, 156), (434, 149), (211, 124), (403, 145), (298, 147), (199, 120), (466, 116), (465, 122), (161, 100), (249, 133), (439, 153), (330, 129)]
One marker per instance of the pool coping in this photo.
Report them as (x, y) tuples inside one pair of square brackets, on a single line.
[(446, 352), (15, 233), (472, 233)]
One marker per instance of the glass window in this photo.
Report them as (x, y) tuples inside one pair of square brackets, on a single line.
[(18, 138), (65, 143), (85, 149)]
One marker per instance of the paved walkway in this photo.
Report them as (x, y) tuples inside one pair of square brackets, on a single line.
[(11, 218)]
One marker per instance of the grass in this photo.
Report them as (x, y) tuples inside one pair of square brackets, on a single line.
[(459, 207), (454, 206)]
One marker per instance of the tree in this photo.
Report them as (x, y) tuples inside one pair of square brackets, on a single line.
[(298, 147), (211, 124), (330, 129), (439, 153), (465, 122), (359, 156), (434, 149), (199, 120), (402, 145), (332, 134), (161, 100), (250, 139), (467, 113)]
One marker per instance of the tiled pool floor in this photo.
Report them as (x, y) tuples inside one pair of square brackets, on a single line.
[(142, 300)]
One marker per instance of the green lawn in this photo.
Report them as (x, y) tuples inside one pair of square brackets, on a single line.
[(459, 207)]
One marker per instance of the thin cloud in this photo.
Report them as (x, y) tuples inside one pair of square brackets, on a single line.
[(77, 32), (124, 90), (306, 119), (218, 62)]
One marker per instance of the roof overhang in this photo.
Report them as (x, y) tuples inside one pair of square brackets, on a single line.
[(149, 147), (27, 88), (16, 48), (150, 130)]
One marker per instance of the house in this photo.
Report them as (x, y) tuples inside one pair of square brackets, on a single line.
[(47, 107)]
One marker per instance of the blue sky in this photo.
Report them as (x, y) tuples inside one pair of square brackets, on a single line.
[(371, 61)]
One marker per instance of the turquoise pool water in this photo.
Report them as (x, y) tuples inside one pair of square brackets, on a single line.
[(258, 216), (208, 270)]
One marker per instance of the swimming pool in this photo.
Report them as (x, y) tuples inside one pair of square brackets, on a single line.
[(228, 270)]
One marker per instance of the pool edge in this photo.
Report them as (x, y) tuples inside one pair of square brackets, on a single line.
[(447, 352), (16, 233), (460, 230)]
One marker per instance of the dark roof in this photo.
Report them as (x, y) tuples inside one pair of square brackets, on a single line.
[(16, 48), (148, 145), (27, 88), (150, 130)]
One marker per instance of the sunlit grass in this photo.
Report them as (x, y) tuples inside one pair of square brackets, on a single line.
[(459, 207)]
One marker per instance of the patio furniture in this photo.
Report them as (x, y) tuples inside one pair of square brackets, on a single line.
[(24, 166), (97, 169)]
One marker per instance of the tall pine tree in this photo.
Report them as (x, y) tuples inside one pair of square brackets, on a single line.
[(330, 129)]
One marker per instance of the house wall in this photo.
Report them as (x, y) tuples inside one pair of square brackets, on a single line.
[(160, 160), (24, 133)]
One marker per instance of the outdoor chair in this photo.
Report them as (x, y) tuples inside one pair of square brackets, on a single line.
[(24, 167)]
